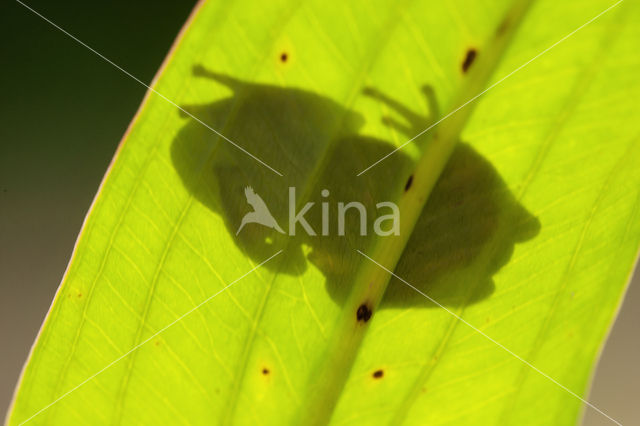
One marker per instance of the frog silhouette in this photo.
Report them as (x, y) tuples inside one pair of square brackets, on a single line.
[(466, 232)]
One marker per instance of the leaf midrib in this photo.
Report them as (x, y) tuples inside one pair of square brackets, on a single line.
[(370, 281)]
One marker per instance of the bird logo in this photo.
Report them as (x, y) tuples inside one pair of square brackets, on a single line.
[(260, 213)]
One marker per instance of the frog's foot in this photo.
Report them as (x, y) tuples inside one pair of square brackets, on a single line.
[(415, 123)]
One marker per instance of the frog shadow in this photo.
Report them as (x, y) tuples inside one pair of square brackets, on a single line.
[(466, 232)]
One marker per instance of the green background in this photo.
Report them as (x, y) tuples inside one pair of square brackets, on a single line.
[(64, 111)]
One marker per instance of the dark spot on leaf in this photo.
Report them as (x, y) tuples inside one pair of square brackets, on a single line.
[(468, 59), (157, 343), (364, 313), (408, 184), (265, 371), (284, 56), (378, 374), (79, 295), (502, 27)]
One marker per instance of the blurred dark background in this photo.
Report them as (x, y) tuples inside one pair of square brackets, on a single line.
[(62, 115)]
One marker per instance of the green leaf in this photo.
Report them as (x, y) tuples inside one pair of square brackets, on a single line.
[(529, 234)]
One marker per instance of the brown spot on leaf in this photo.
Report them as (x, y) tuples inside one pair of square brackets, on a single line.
[(502, 27), (364, 313), (378, 374), (265, 371), (468, 59), (408, 184), (284, 56)]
